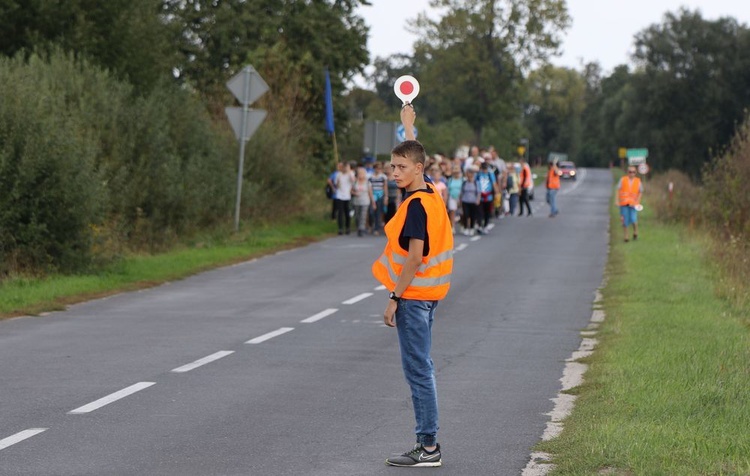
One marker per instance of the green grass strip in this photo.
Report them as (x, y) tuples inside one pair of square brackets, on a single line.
[(31, 296), (668, 390)]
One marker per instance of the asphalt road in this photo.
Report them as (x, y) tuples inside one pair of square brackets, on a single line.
[(281, 365)]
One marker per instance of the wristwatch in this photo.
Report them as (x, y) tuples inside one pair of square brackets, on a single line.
[(393, 297)]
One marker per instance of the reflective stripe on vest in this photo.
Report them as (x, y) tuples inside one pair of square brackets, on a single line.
[(442, 257), (432, 279), (416, 282), (629, 190)]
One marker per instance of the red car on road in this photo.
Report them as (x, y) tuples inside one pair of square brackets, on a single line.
[(567, 170)]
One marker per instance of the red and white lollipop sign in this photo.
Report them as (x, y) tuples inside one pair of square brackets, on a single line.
[(406, 88)]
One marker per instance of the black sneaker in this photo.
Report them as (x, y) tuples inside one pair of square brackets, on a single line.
[(417, 458)]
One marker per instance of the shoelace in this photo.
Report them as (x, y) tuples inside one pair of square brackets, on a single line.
[(417, 449)]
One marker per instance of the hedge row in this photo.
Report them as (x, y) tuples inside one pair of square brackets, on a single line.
[(90, 167)]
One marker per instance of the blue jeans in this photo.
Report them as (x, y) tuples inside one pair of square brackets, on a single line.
[(513, 203), (628, 215), (552, 200), (414, 324)]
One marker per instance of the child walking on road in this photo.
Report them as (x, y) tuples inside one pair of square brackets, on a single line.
[(416, 267), (363, 199)]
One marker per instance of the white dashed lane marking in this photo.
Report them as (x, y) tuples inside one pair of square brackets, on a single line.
[(113, 397), (357, 298), (319, 316), (203, 361), (19, 437), (270, 335)]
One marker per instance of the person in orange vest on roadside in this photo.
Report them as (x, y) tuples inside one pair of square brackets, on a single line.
[(527, 181), (416, 267), (629, 192), (553, 185)]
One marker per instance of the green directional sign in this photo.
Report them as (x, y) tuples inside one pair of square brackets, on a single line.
[(637, 156)]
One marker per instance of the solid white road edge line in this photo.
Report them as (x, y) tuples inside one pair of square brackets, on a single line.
[(270, 335), (19, 437), (205, 360), (539, 462), (113, 397), (319, 316), (357, 298)]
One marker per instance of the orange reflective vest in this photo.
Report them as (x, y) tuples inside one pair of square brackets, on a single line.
[(553, 180), (629, 191), (433, 277), (526, 180)]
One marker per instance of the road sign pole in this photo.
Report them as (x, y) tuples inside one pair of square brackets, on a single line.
[(241, 161), (246, 86)]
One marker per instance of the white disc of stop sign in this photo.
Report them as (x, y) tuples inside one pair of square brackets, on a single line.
[(406, 88), (643, 168)]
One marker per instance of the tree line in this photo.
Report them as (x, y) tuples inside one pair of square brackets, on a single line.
[(486, 80), (113, 136)]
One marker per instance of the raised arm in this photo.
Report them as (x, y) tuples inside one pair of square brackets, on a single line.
[(408, 116)]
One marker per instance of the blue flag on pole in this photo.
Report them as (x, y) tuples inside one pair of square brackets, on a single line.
[(329, 105)]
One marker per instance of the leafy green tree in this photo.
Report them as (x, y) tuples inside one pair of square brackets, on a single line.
[(217, 38), (613, 113), (125, 36), (555, 105), (444, 137), (475, 54), (289, 42), (691, 88)]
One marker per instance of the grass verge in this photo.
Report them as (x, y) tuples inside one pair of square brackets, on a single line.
[(667, 390), (31, 296)]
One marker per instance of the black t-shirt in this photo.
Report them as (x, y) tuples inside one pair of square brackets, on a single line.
[(415, 225)]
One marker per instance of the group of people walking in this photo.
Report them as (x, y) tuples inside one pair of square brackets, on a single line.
[(475, 189), (366, 193)]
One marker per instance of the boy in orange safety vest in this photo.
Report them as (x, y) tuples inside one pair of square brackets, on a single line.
[(416, 267), (629, 192)]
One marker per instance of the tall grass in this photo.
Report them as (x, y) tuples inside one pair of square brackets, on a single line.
[(720, 206), (727, 213), (666, 392)]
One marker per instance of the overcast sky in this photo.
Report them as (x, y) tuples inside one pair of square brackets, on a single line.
[(602, 30)]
